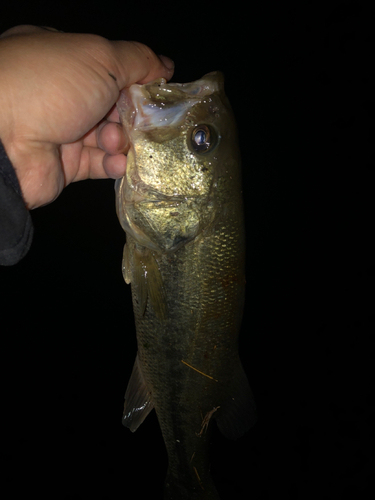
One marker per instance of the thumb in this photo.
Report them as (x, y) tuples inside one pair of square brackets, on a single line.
[(137, 63)]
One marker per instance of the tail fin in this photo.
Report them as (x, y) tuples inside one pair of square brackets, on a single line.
[(174, 489), (238, 411)]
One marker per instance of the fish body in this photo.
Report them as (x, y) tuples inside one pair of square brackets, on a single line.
[(181, 207)]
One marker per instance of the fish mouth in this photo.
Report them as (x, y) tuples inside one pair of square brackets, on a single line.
[(159, 103), (138, 193), (163, 201), (150, 195)]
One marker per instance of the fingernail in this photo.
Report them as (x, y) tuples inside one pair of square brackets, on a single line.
[(168, 63)]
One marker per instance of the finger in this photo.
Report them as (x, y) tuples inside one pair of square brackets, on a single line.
[(81, 162), (111, 138), (167, 61), (137, 63), (96, 164), (115, 166)]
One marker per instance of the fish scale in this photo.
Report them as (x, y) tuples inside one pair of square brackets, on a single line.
[(187, 277)]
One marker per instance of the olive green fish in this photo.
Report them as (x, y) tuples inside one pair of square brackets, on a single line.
[(180, 205)]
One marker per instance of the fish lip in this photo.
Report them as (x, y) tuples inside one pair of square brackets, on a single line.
[(141, 108), (147, 194), (167, 201), (137, 192)]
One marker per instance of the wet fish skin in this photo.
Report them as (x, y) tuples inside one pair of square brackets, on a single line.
[(184, 257)]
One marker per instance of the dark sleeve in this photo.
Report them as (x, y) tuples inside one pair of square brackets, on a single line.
[(16, 229)]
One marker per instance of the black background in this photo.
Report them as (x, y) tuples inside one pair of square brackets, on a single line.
[(299, 79)]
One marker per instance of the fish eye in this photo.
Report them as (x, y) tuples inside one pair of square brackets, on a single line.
[(202, 138)]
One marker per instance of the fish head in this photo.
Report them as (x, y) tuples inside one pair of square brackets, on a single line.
[(182, 147)]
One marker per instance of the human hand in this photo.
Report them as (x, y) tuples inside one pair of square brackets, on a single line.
[(59, 123)]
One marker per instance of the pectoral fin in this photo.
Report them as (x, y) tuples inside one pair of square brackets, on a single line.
[(126, 265), (149, 283), (138, 399), (237, 413), (140, 280), (155, 288)]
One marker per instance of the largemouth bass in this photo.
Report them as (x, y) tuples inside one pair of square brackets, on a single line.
[(180, 205)]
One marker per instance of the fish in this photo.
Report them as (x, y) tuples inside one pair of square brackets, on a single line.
[(180, 204)]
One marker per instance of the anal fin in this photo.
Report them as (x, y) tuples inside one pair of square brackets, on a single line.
[(138, 399)]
